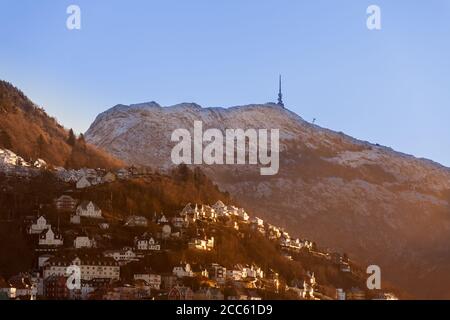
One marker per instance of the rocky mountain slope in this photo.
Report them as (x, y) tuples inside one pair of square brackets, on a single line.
[(381, 206), (30, 132)]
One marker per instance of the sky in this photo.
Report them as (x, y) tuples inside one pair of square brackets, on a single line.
[(388, 86)]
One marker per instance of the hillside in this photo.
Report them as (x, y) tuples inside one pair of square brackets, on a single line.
[(168, 193), (381, 206), (28, 131)]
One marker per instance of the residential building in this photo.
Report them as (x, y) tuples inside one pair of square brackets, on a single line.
[(91, 267), (146, 242), (50, 238), (183, 270), (89, 209), (65, 203), (153, 280), (40, 225), (136, 221), (83, 183), (217, 273), (123, 256), (81, 242)]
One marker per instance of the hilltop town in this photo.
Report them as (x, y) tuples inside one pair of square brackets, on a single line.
[(202, 251)]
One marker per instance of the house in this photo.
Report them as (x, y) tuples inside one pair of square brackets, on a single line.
[(83, 183), (162, 219), (122, 256), (65, 203), (146, 242), (252, 272), (153, 280), (136, 221), (180, 293), (235, 275), (183, 270), (40, 225), (202, 244), (83, 242), (50, 238), (217, 273), (109, 177), (91, 267), (340, 294), (220, 209), (243, 215), (89, 209), (123, 174)]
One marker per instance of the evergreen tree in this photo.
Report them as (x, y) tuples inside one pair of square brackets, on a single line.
[(71, 140)]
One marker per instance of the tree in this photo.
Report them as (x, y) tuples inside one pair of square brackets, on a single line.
[(40, 146), (71, 140), (81, 139), (5, 140)]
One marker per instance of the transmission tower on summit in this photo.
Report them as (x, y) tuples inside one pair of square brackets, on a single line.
[(280, 95)]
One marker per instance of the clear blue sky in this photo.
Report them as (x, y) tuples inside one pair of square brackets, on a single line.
[(390, 87)]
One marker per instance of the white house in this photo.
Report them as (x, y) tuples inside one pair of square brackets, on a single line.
[(183, 270), (89, 209), (83, 242), (218, 273), (146, 243), (253, 272), (50, 238), (123, 256), (220, 208), (83, 182), (40, 225), (202, 244), (163, 219), (136, 221), (243, 215)]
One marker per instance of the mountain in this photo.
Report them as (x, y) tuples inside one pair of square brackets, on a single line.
[(28, 131), (382, 207)]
